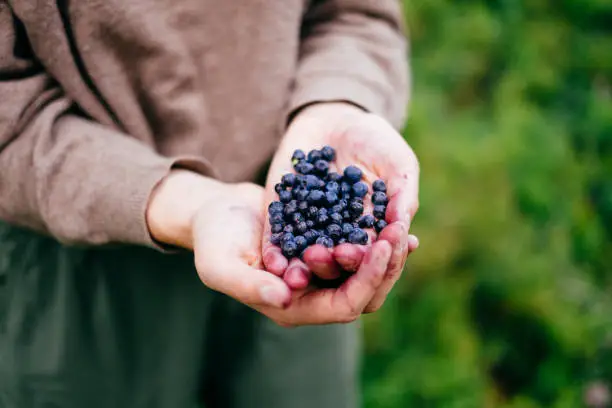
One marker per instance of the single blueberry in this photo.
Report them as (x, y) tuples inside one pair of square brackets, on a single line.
[(379, 211), (300, 194), (355, 207), (358, 237), (379, 185), (347, 228), (333, 176), (380, 225), (332, 186), (290, 208), (336, 209), (323, 210), (298, 155), (304, 167), (367, 221), (322, 220), (289, 248), (276, 228), (297, 217), (343, 203), (288, 229), (314, 155), (360, 189), (285, 196), (379, 198), (321, 167), (278, 187), (345, 189), (300, 180), (328, 153), (315, 197), (287, 236), (313, 212), (288, 180), (331, 198), (301, 242), (276, 238), (310, 223), (301, 227), (303, 207), (352, 174), (325, 241), (275, 206), (334, 231), (276, 218), (311, 236), (313, 182), (336, 218)]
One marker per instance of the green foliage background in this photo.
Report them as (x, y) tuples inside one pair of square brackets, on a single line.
[(508, 301)]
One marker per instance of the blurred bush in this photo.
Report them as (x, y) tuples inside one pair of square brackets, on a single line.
[(508, 302)]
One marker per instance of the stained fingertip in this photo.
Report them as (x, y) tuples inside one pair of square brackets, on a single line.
[(349, 256), (274, 261), (297, 276), (320, 261)]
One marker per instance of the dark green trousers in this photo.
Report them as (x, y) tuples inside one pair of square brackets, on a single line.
[(133, 328)]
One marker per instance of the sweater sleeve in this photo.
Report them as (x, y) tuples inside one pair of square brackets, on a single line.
[(62, 174), (354, 51)]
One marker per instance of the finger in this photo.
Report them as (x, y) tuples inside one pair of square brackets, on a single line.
[(397, 236), (404, 201), (274, 260), (321, 262), (248, 285), (349, 256), (297, 275)]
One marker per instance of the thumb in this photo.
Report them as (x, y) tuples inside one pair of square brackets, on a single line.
[(244, 283)]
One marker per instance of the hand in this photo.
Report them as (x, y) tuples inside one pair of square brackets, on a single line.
[(223, 224), (372, 144)]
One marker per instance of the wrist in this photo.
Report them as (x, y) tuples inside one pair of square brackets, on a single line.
[(175, 202)]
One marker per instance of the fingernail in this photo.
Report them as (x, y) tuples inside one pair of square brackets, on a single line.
[(413, 242), (272, 296)]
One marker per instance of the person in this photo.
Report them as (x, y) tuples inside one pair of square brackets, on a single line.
[(140, 142)]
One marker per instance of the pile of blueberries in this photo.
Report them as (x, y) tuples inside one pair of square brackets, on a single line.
[(319, 206)]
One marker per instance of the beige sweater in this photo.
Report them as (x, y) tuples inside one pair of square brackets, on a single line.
[(99, 98)]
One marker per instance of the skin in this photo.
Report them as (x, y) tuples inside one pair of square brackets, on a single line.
[(226, 228)]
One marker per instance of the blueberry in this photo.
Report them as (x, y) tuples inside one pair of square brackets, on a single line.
[(314, 155), (300, 194), (311, 236), (323, 210), (328, 153), (332, 186), (289, 248), (276, 218), (358, 236), (290, 208), (276, 228), (313, 182), (325, 241), (278, 187), (331, 198), (301, 227), (287, 237), (288, 229), (321, 167), (275, 206), (276, 238), (315, 197), (379, 211), (322, 220), (297, 218), (301, 242), (360, 189), (367, 221), (352, 174), (310, 223), (288, 180), (336, 218), (347, 229), (355, 208), (380, 225), (303, 207), (333, 176), (346, 215), (300, 180), (379, 198), (343, 203), (285, 196), (334, 231), (312, 212), (298, 155), (304, 167), (379, 185), (336, 209), (345, 188)]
